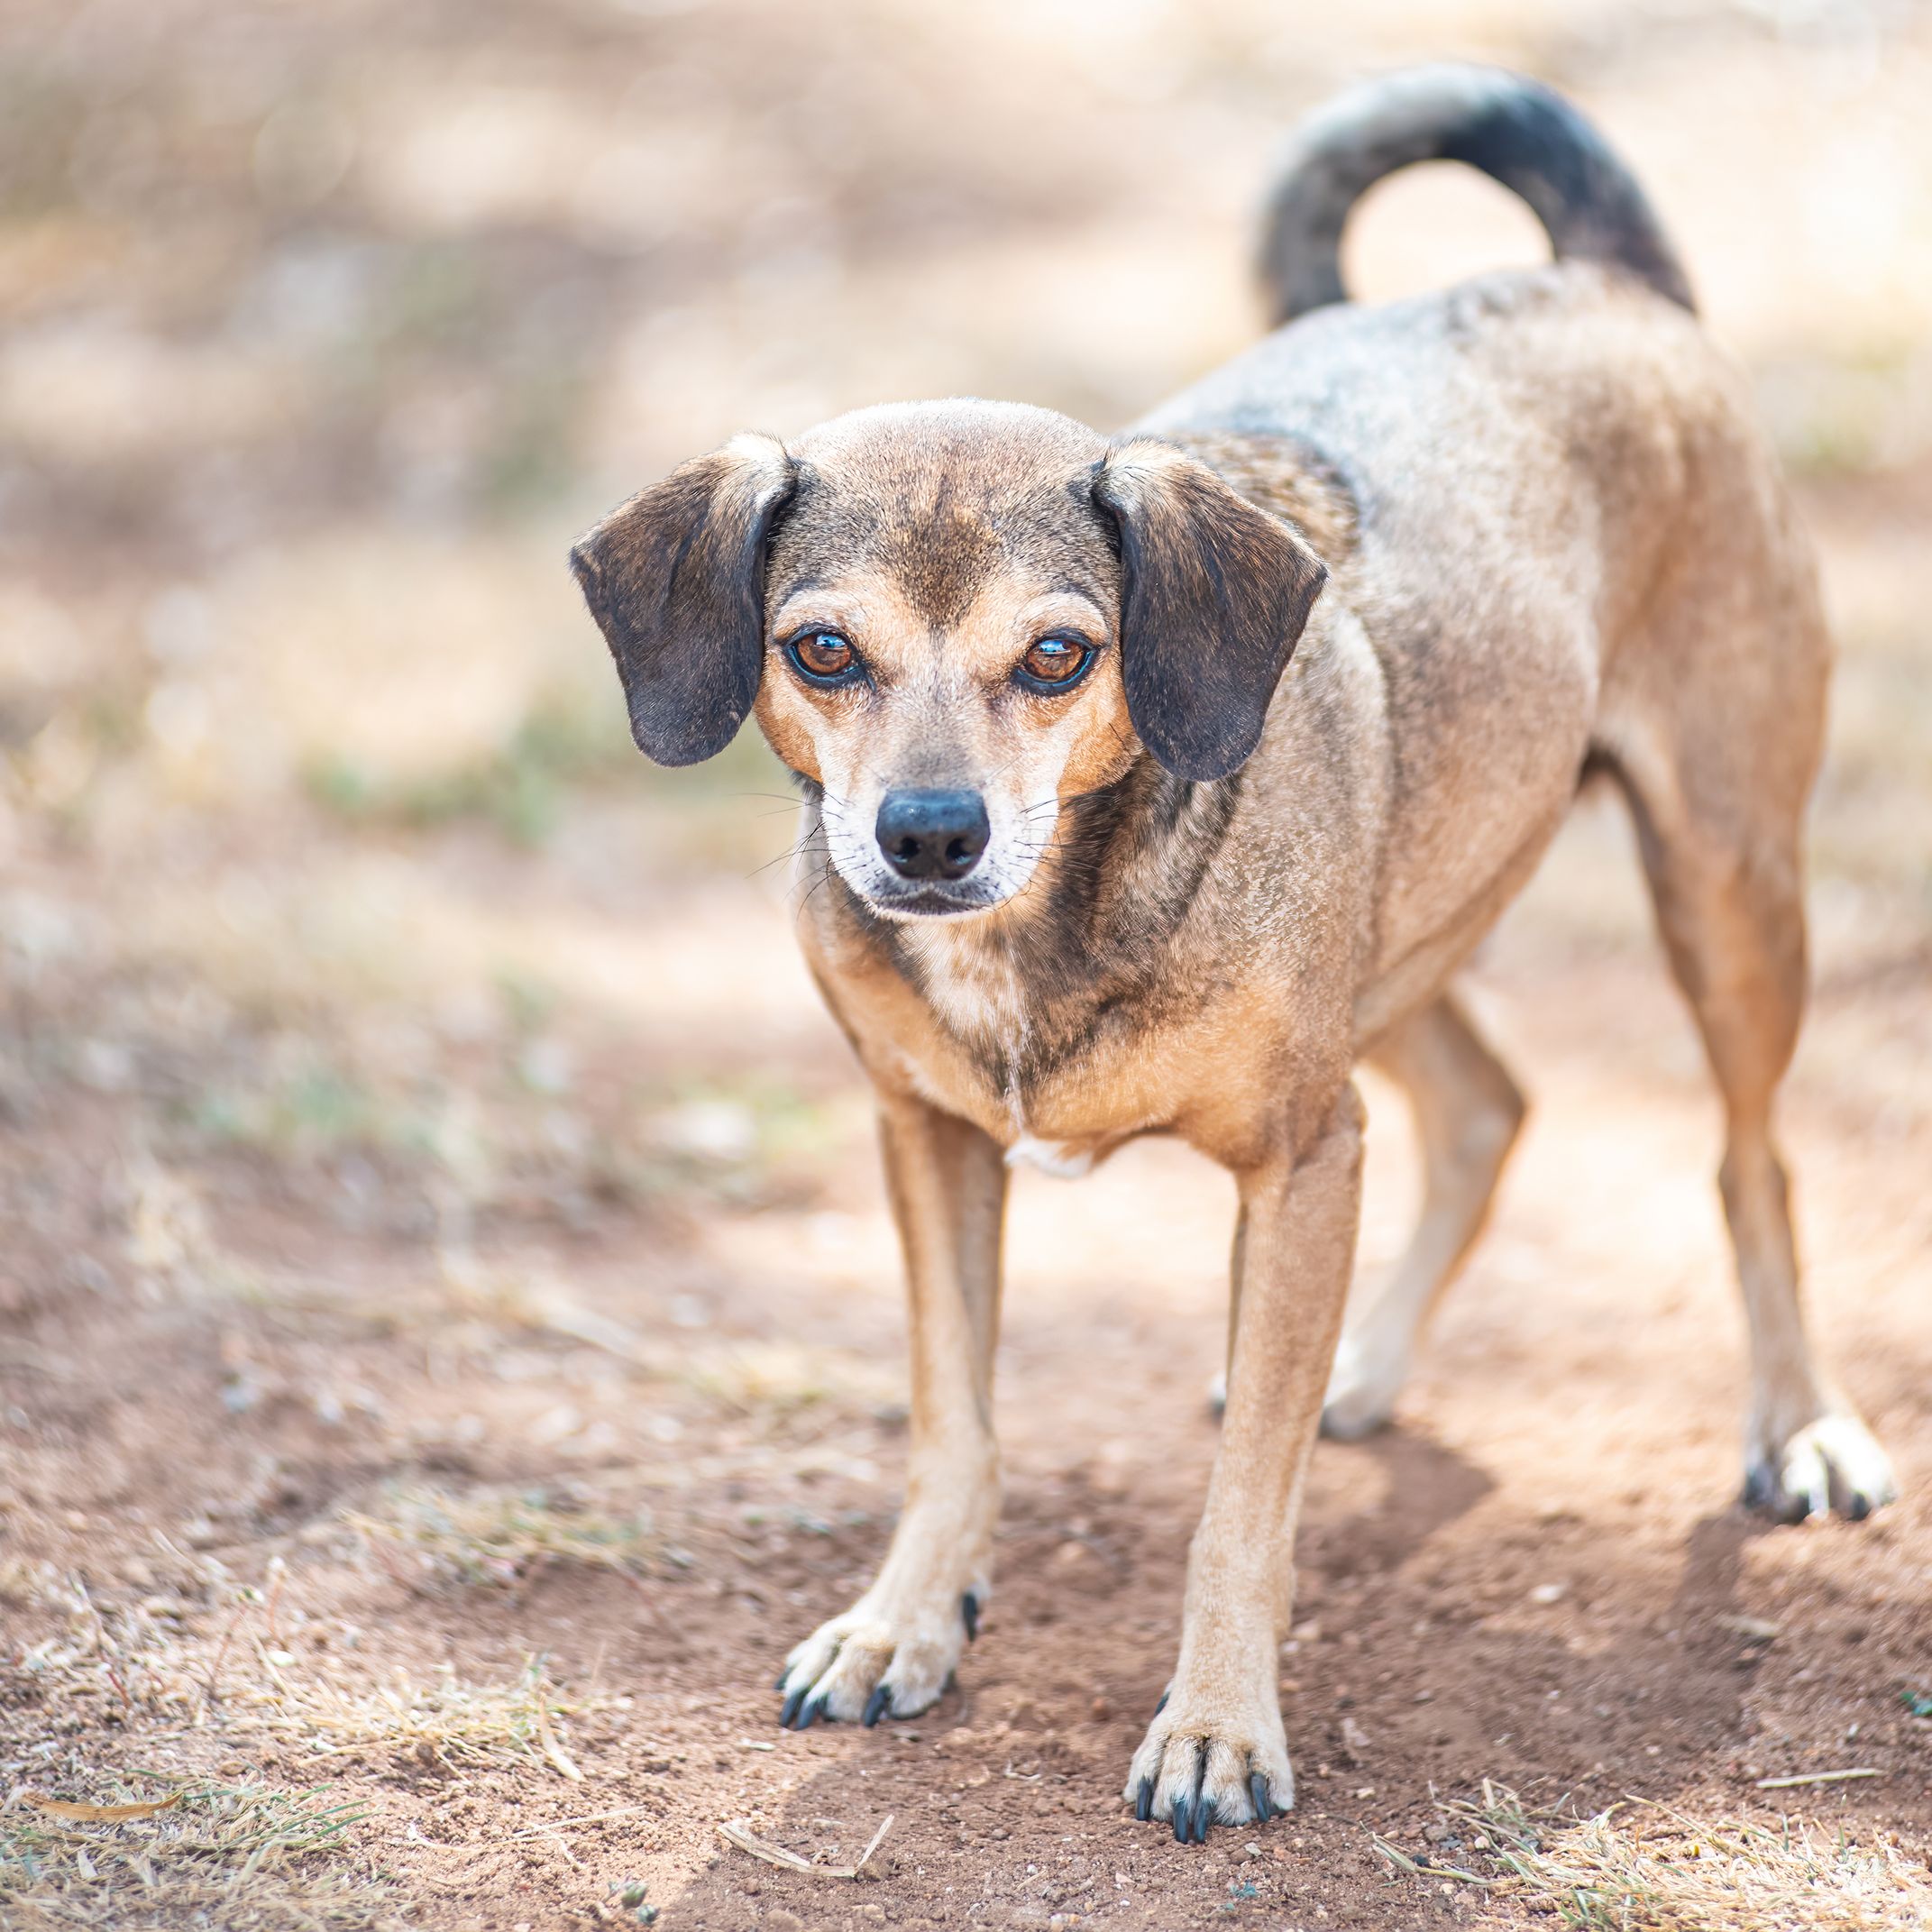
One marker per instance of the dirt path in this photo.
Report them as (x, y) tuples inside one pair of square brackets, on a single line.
[(1539, 1578)]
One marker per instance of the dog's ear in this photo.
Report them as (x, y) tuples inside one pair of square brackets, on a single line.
[(1214, 594), (676, 578)]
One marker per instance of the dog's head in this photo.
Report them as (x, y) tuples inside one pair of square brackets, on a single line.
[(951, 618)]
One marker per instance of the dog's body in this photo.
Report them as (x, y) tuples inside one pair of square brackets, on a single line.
[(1555, 542)]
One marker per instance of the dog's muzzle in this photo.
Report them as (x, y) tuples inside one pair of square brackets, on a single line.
[(928, 834)]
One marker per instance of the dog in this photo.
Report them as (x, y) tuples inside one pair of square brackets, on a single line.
[(1153, 782)]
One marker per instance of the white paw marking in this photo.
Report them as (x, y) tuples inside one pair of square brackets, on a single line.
[(1211, 1761), (1832, 1463), (1363, 1388), (907, 1651)]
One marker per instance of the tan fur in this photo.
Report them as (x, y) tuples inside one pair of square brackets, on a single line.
[(1555, 542)]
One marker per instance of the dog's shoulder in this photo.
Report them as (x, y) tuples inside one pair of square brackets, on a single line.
[(1288, 475)]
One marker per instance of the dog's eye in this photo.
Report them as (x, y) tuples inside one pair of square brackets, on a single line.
[(823, 658), (1055, 664)]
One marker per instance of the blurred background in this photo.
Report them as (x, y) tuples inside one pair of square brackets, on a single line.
[(404, 1091), (326, 325)]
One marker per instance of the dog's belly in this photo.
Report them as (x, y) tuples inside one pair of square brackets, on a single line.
[(1407, 980)]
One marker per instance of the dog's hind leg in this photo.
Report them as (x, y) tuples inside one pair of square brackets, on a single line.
[(1468, 1111), (1723, 870)]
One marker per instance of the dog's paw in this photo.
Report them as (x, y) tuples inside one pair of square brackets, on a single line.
[(1211, 1761), (885, 1657), (1363, 1388), (1832, 1463)]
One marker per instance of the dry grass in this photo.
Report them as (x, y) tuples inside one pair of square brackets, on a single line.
[(1642, 1867), (125, 1656), (501, 1537), (777, 1378), (242, 1858), (245, 1684), (517, 1722)]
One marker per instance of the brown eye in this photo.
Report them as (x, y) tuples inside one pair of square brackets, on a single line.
[(823, 658), (1055, 663)]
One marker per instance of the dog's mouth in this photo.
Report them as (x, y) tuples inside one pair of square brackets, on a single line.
[(929, 901)]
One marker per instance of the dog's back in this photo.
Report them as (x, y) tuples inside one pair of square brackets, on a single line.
[(1564, 528), (1568, 539)]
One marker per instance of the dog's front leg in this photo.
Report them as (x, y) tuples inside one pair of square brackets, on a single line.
[(1216, 1750), (893, 1651)]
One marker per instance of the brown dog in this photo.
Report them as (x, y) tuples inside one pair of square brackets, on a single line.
[(1154, 781)]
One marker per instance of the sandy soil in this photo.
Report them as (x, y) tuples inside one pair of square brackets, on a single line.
[(449, 1345), (1539, 1577)]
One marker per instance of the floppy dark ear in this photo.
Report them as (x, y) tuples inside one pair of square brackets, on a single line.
[(676, 578), (1214, 594)]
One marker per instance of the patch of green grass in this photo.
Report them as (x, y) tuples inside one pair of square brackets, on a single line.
[(42, 116), (756, 1117), (316, 1110), (739, 810), (783, 1379), (1849, 416), (530, 456), (242, 1858), (519, 788)]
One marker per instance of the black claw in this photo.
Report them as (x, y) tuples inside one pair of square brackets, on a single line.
[(1163, 1704), (811, 1713), (1183, 1823), (1264, 1806), (794, 1703), (877, 1705), (782, 1674), (969, 1609), (1144, 1803), (1857, 1508), (1204, 1815)]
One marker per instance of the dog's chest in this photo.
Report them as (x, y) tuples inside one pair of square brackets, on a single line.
[(1058, 1091), (976, 992)]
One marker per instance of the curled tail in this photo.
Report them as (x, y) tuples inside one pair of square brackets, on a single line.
[(1515, 130)]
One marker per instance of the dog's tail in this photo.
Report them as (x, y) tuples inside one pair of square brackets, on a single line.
[(1515, 130)]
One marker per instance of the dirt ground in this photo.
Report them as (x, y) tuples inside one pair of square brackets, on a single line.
[(450, 1342)]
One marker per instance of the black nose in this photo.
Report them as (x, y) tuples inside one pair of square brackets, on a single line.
[(933, 835)]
